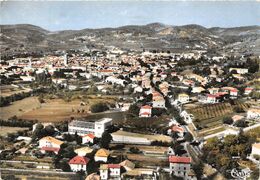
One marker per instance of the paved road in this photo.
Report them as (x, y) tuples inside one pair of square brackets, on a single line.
[(37, 171)]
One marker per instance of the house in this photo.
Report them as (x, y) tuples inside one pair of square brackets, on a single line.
[(110, 171), (102, 155), (233, 92), (88, 138), (181, 166), (138, 89), (83, 151), (93, 176), (212, 98), (89, 127), (145, 111), (158, 100), (183, 98), (179, 130), (248, 90), (197, 89), (213, 90), (78, 163), (128, 165), (253, 113), (49, 144)]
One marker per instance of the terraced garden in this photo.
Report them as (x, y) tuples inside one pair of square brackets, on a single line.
[(208, 118)]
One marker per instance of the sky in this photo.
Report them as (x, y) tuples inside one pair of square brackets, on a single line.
[(64, 15)]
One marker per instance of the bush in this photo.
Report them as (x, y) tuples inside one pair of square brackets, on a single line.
[(134, 109), (240, 123), (134, 150), (99, 107), (227, 120)]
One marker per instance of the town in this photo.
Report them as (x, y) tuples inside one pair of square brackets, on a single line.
[(126, 114)]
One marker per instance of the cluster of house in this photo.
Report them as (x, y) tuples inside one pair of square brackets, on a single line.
[(128, 69), (179, 166)]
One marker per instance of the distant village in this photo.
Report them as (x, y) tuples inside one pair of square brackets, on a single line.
[(139, 115)]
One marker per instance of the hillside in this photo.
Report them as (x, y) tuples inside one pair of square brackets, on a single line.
[(22, 38)]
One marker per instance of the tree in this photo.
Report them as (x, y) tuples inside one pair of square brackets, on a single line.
[(134, 150), (238, 109), (105, 140), (240, 123), (37, 132), (227, 120), (99, 107), (64, 166), (188, 137), (134, 109), (198, 169)]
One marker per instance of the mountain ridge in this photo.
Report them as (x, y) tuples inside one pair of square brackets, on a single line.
[(29, 38)]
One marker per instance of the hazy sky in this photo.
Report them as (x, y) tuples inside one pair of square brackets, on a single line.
[(93, 14)]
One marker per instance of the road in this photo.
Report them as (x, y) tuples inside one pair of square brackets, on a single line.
[(35, 171)]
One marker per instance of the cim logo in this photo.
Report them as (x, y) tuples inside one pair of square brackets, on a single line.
[(241, 173)]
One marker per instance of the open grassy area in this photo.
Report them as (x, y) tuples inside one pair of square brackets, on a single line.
[(20, 107), (56, 110), (4, 130), (8, 90), (52, 110)]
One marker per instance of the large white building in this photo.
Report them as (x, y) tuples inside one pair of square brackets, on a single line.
[(89, 127)]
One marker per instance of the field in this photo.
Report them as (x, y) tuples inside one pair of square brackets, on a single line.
[(211, 115), (19, 107), (56, 110), (4, 130), (52, 110), (208, 118)]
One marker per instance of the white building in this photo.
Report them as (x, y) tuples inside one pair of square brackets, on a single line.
[(181, 166), (78, 163), (145, 111), (110, 171), (255, 150), (129, 138), (248, 90), (183, 98), (49, 144), (88, 138), (102, 155), (253, 113), (89, 127)]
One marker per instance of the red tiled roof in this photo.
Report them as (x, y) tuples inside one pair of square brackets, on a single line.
[(212, 95), (177, 128), (79, 160), (92, 136), (146, 107), (113, 165), (53, 149), (248, 89), (234, 90), (177, 159)]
